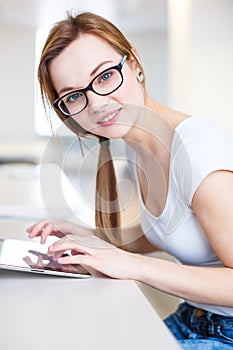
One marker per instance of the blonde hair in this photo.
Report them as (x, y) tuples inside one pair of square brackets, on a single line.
[(107, 212)]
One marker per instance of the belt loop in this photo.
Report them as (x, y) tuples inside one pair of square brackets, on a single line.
[(211, 326)]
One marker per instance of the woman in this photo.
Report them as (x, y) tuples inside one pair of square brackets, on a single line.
[(94, 80)]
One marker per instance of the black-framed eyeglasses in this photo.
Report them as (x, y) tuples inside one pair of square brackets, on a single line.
[(103, 84)]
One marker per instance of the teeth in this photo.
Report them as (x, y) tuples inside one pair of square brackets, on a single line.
[(111, 116)]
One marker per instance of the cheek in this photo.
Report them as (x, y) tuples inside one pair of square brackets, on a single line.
[(132, 92)]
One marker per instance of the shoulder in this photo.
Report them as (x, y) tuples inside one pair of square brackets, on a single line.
[(194, 132), (200, 147)]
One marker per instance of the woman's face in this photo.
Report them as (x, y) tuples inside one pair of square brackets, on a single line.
[(113, 115)]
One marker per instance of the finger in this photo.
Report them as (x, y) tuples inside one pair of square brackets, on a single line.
[(73, 252), (37, 225), (66, 243), (85, 260), (79, 259), (36, 229), (46, 231), (57, 255), (50, 230)]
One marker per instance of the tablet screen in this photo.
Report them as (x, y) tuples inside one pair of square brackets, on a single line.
[(32, 256)]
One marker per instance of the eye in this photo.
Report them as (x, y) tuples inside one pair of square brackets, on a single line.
[(105, 76), (73, 97)]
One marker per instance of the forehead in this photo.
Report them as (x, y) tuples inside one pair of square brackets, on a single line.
[(81, 56)]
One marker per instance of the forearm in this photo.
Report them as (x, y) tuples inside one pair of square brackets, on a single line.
[(78, 228), (133, 238), (198, 284)]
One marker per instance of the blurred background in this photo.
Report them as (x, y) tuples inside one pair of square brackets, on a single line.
[(186, 47)]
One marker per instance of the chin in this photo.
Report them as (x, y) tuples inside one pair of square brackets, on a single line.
[(116, 131)]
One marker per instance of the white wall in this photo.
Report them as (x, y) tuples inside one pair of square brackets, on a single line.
[(152, 48), (17, 83), (199, 62), (17, 76), (200, 58)]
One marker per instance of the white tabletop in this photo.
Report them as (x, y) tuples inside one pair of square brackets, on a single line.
[(53, 312), (47, 312)]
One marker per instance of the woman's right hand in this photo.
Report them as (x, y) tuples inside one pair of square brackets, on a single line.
[(58, 229)]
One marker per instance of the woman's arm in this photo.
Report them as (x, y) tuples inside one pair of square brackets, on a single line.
[(212, 204), (58, 228), (134, 239), (198, 284)]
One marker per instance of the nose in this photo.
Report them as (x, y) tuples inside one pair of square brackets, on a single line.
[(96, 102)]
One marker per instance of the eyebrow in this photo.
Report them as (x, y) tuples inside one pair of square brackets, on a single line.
[(66, 89)]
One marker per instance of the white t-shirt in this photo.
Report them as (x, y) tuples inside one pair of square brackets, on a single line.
[(199, 147)]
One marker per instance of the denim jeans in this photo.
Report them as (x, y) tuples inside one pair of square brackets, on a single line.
[(199, 329)]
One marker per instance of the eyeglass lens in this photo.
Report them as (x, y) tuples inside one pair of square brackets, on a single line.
[(103, 84)]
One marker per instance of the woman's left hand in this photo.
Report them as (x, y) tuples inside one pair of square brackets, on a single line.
[(94, 253)]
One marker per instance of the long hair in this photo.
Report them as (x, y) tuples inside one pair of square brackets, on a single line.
[(107, 213)]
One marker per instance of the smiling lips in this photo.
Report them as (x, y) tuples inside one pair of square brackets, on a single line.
[(109, 118)]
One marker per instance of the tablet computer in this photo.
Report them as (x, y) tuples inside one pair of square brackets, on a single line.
[(32, 257)]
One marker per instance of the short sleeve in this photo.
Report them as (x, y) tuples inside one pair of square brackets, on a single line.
[(201, 147)]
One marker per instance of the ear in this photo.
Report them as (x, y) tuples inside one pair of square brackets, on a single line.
[(135, 59), (136, 65)]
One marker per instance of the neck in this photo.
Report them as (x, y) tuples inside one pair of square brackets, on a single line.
[(154, 129)]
